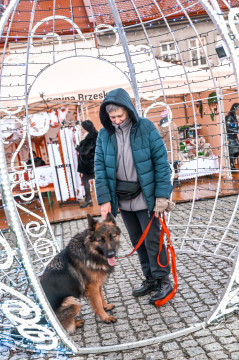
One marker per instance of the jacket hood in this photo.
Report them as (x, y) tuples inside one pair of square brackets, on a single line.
[(118, 97)]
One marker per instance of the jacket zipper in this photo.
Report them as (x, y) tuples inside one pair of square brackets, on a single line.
[(123, 152), (124, 163)]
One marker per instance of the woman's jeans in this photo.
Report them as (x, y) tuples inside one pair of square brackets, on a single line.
[(136, 222), (85, 180)]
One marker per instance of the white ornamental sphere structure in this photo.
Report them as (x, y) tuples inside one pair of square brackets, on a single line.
[(179, 62)]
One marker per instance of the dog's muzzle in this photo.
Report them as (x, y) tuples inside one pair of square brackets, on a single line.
[(111, 258)]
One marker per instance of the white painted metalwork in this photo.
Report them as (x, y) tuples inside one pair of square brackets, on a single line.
[(135, 50)]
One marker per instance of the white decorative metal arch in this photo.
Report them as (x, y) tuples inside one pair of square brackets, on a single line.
[(30, 247)]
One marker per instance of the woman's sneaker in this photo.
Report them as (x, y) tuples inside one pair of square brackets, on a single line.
[(148, 285)]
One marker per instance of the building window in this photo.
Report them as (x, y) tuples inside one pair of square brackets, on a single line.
[(169, 52), (197, 53)]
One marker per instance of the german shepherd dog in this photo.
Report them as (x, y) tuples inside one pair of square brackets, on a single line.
[(81, 270)]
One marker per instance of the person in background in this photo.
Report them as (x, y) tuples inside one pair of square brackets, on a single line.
[(86, 151), (37, 160), (232, 134), (132, 173)]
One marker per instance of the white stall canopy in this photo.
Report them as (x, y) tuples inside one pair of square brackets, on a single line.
[(79, 78), (87, 79)]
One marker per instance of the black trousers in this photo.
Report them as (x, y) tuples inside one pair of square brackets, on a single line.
[(136, 222), (85, 180)]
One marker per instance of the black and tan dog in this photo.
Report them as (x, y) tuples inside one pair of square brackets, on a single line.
[(81, 270)]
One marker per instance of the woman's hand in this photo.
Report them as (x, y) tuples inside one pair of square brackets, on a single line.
[(161, 205), (104, 209)]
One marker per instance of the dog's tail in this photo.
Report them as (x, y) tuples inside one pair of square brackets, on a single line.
[(67, 312)]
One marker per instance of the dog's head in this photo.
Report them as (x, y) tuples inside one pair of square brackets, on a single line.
[(104, 237)]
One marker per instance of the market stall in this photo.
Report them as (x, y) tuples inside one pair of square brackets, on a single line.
[(64, 95)]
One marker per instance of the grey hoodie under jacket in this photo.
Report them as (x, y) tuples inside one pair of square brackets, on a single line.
[(125, 166)]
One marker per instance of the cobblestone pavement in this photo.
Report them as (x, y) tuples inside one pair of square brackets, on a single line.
[(220, 341), (201, 281)]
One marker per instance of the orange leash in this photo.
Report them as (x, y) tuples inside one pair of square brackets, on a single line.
[(169, 248), (140, 240)]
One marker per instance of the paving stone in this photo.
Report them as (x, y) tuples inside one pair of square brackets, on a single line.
[(227, 340), (145, 335), (212, 347), (235, 355), (149, 357), (202, 333), (222, 332), (136, 355), (200, 357), (193, 351), (175, 354), (205, 340), (113, 356), (152, 354), (233, 325), (170, 346), (217, 355), (183, 308), (232, 347), (188, 343), (235, 332)]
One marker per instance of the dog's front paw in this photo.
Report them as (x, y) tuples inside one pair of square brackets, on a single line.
[(108, 307), (79, 323), (110, 319)]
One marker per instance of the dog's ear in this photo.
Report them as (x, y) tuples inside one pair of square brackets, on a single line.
[(110, 218), (91, 222), (118, 230)]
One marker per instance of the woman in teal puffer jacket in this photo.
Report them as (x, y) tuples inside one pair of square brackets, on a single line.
[(132, 173)]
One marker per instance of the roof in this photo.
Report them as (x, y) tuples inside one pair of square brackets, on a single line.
[(82, 11), (44, 9), (145, 9)]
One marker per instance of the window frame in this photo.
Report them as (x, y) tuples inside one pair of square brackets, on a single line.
[(198, 48), (169, 52)]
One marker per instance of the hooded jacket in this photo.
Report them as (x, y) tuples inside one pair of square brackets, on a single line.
[(148, 150)]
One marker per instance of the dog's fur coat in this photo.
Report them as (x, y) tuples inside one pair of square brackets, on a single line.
[(81, 270)]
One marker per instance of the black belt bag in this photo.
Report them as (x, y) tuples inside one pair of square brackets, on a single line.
[(127, 190)]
